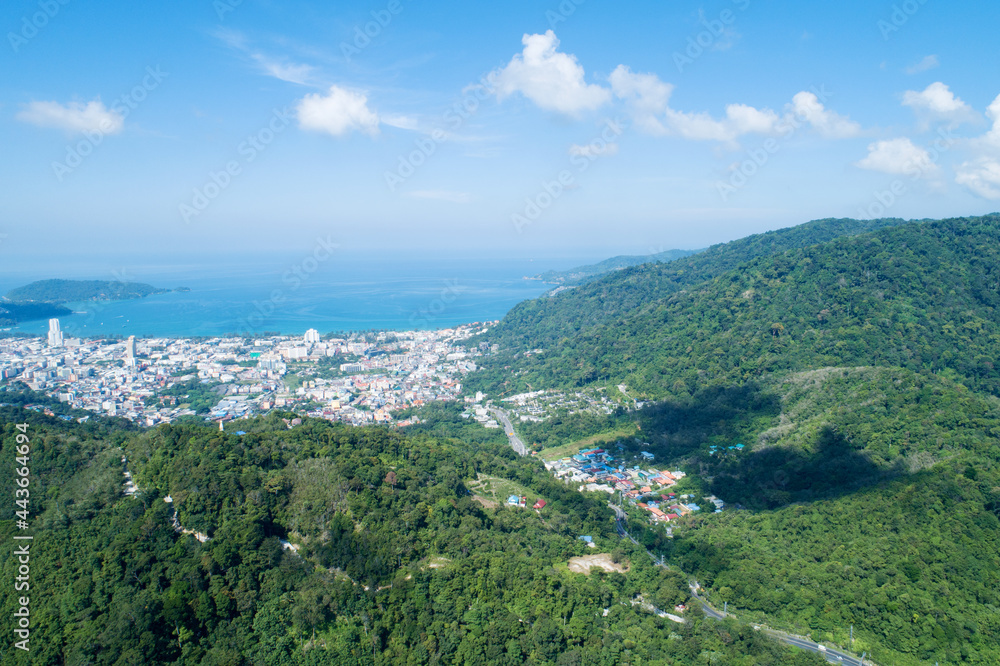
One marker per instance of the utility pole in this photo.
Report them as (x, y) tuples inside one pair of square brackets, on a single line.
[(725, 607), (852, 635)]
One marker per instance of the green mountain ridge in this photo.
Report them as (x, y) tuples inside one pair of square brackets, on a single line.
[(539, 323), (917, 295), (582, 274)]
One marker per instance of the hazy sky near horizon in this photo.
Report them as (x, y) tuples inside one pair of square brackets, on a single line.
[(574, 128)]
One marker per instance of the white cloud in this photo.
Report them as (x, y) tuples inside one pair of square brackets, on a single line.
[(993, 113), (646, 95), (746, 119), (73, 117), (929, 62), (401, 122), (937, 102), (442, 195), (898, 156), (648, 98), (829, 124), (292, 73), (554, 81), (297, 73), (592, 150), (740, 119), (982, 176), (337, 113)]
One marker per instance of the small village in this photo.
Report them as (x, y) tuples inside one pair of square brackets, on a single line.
[(646, 488)]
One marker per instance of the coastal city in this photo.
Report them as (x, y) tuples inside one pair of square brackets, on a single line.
[(357, 379)]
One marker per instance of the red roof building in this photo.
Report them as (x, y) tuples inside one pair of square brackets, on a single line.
[(539, 504)]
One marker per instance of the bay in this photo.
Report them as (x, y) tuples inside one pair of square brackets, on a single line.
[(289, 297)]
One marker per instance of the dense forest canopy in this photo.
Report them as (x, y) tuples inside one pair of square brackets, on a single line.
[(857, 362), (393, 561), (923, 296)]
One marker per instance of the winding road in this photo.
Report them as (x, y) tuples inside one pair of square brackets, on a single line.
[(830, 654), (515, 441)]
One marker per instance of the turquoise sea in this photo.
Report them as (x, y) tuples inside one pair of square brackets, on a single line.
[(292, 295)]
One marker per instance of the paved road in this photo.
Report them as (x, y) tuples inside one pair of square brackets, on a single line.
[(830, 654), (515, 441), (833, 656)]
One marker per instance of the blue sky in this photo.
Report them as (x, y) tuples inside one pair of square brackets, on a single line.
[(578, 130)]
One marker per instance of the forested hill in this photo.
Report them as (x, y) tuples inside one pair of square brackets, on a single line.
[(394, 561), (861, 375), (67, 291), (542, 322), (922, 295)]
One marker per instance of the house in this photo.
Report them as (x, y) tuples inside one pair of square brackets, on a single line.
[(647, 455), (539, 504), (513, 500)]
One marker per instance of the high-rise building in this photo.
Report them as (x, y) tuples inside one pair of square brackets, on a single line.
[(130, 351), (55, 334), (312, 336)]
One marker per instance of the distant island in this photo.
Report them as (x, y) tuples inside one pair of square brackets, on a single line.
[(582, 274), (68, 291)]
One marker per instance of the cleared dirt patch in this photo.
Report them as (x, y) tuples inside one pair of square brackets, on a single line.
[(489, 504), (437, 562), (601, 561)]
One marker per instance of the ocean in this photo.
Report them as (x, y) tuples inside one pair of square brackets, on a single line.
[(291, 296)]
